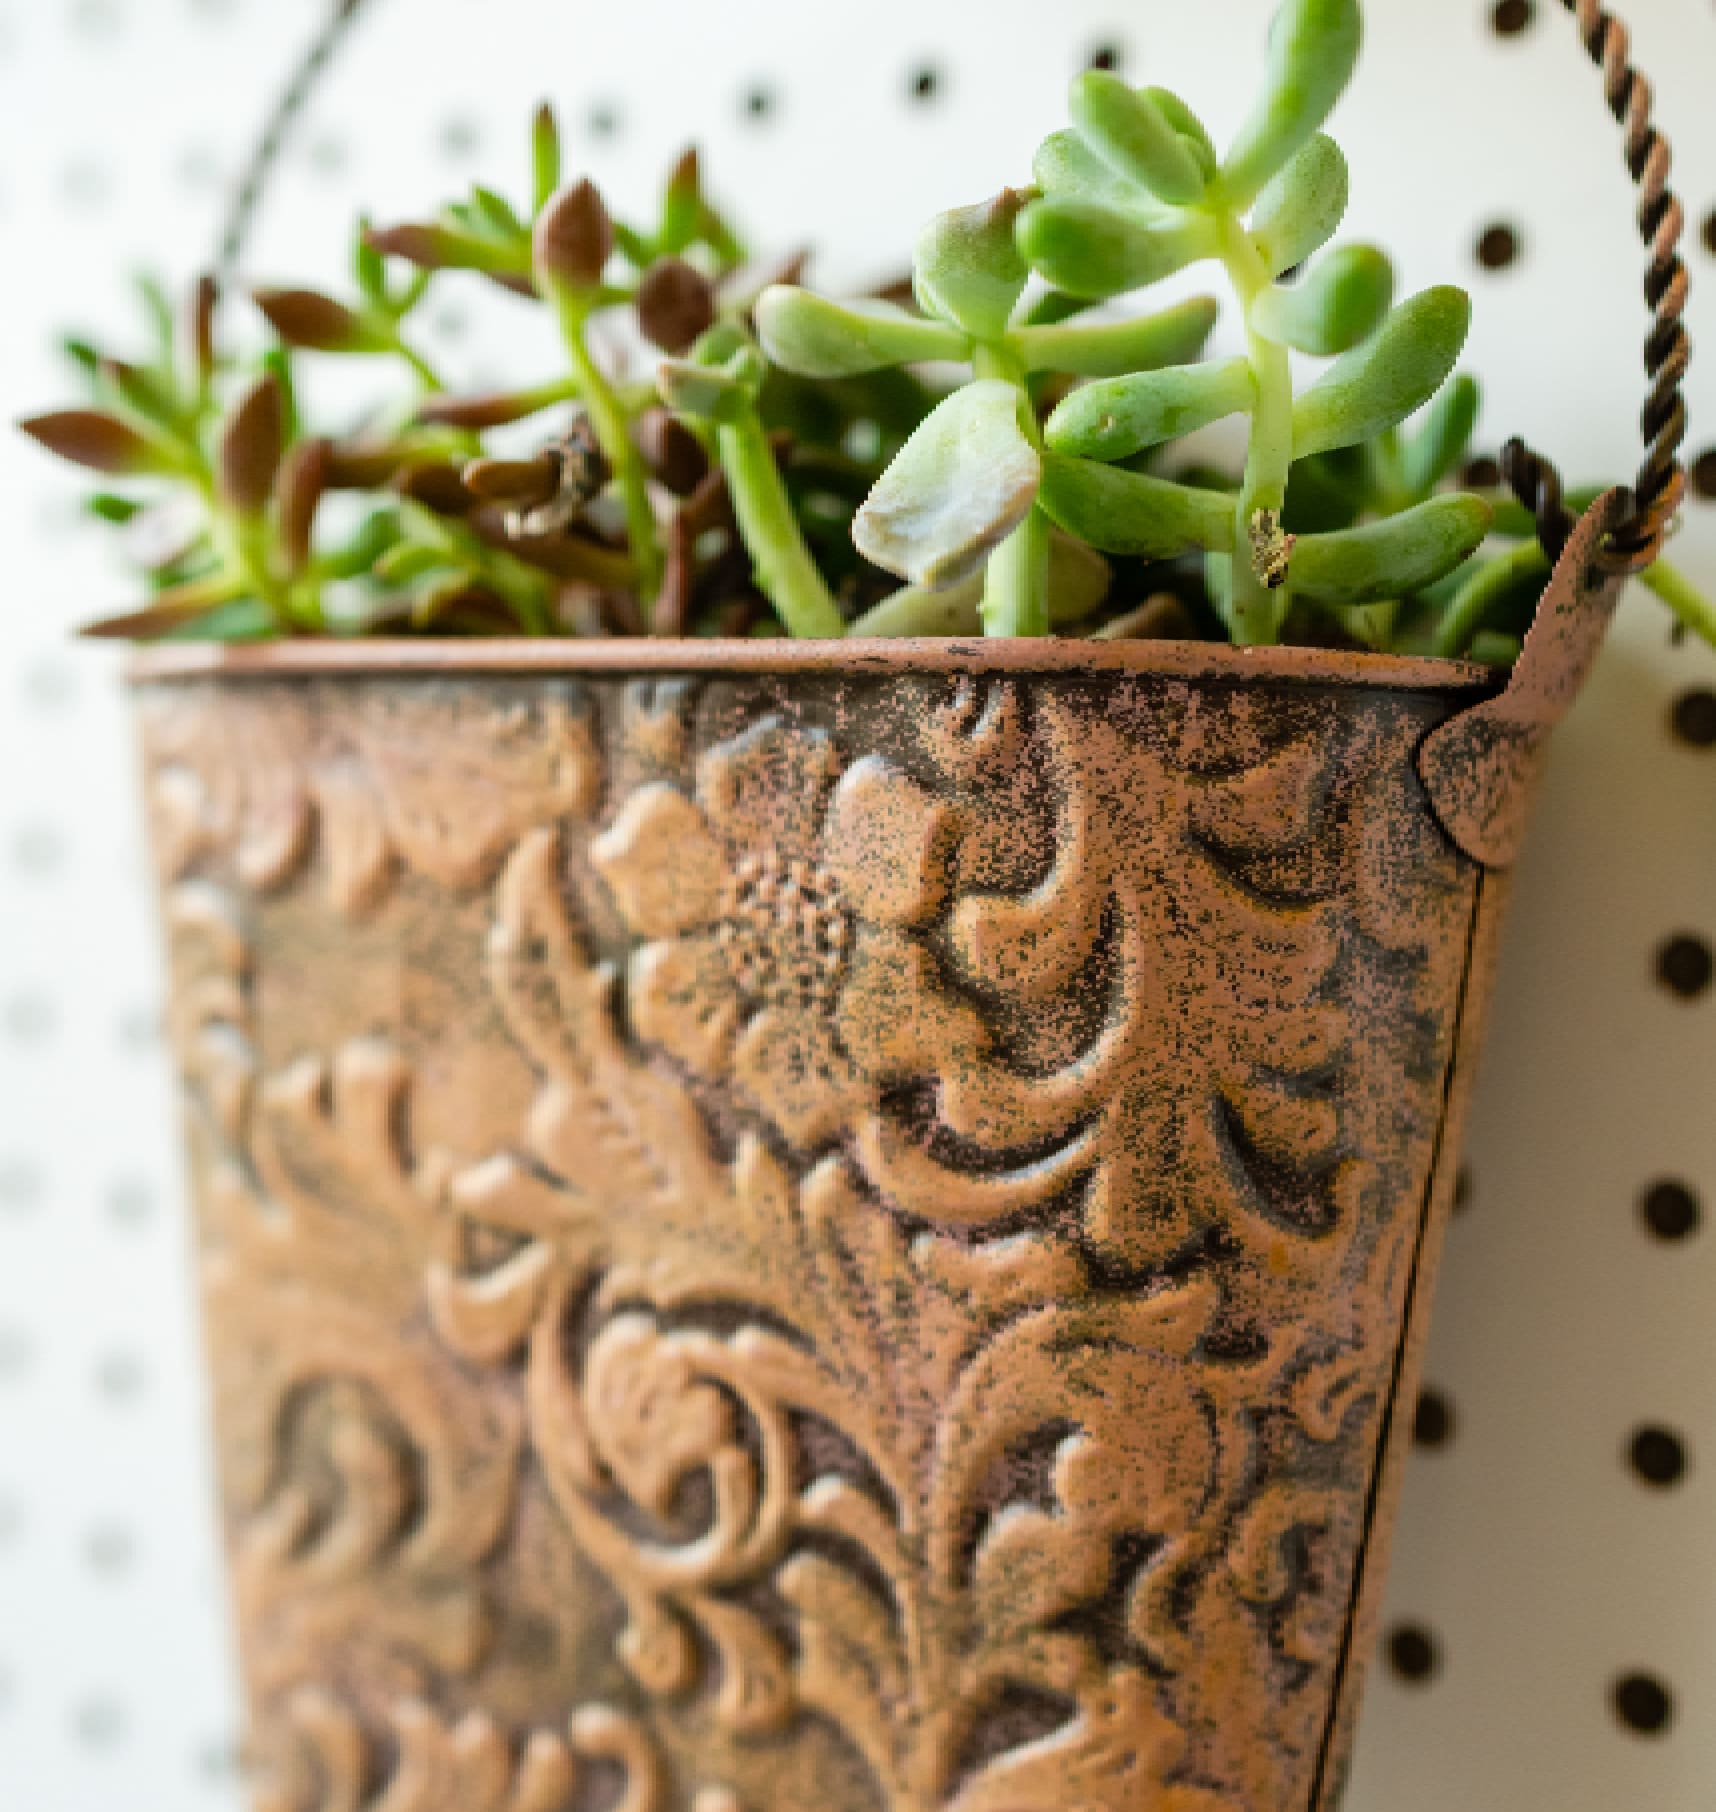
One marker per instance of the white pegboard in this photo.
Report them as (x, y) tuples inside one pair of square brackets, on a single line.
[(1537, 1566)]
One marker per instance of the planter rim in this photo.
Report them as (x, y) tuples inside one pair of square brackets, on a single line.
[(1201, 660)]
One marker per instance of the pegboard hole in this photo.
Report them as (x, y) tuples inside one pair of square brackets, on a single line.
[(1463, 1187), (1672, 1211), (1108, 55), (604, 120), (1414, 1654), (1482, 474), (1658, 1457), (1704, 474), (1686, 966), (1643, 1704), (926, 85), (1500, 246), (1433, 1421), (1695, 718), (761, 104), (1513, 18), (98, 1723)]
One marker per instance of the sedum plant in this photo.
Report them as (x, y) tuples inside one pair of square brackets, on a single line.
[(997, 445)]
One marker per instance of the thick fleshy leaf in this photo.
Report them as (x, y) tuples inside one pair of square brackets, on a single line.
[(968, 269), (1079, 580), (1175, 336), (1091, 250), (252, 445), (1313, 51), (1122, 416), (100, 442), (1132, 135), (960, 486), (1184, 121), (1392, 558), (708, 392), (307, 319), (1125, 512), (1393, 375), (1339, 305), (1302, 209), (812, 337), (1444, 438), (1067, 169)]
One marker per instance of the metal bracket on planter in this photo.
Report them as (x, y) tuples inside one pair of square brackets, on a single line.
[(1481, 769)]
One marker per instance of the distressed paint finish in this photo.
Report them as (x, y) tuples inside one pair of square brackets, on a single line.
[(838, 1235)]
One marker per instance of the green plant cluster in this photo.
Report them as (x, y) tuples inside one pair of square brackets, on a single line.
[(997, 446)]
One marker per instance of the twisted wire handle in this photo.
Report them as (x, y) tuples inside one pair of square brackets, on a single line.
[(277, 129), (1660, 489)]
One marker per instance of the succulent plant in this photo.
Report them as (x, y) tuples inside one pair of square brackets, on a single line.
[(997, 445)]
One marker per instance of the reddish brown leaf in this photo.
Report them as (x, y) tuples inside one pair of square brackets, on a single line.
[(89, 437), (317, 323), (302, 485), (252, 447), (673, 453)]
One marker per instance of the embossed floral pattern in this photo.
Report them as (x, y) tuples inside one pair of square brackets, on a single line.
[(779, 904), (1003, 1436)]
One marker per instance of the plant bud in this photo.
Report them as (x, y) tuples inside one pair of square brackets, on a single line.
[(574, 240), (101, 442), (672, 452), (252, 446), (306, 319), (676, 305), (968, 268), (430, 248)]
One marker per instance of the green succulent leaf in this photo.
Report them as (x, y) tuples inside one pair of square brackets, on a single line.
[(1100, 349), (1184, 121), (545, 157), (963, 482), (1302, 209), (1393, 375), (1131, 134), (1123, 416), (1393, 558), (812, 337), (1339, 305), (1444, 438), (1091, 250), (1068, 169), (968, 268), (1313, 51), (1130, 513)]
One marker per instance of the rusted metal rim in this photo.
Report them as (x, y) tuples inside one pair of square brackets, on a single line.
[(1199, 660)]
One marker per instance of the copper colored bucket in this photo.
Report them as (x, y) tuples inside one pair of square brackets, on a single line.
[(839, 1226)]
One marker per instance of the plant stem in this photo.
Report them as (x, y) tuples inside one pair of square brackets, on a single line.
[(788, 575), (613, 432), (427, 375), (1259, 609), (1684, 598), (1016, 584)]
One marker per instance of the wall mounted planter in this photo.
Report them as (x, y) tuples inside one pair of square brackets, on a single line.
[(842, 1224)]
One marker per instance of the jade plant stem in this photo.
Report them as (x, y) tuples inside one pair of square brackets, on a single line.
[(785, 569), (1258, 608), (1016, 585), (608, 417)]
